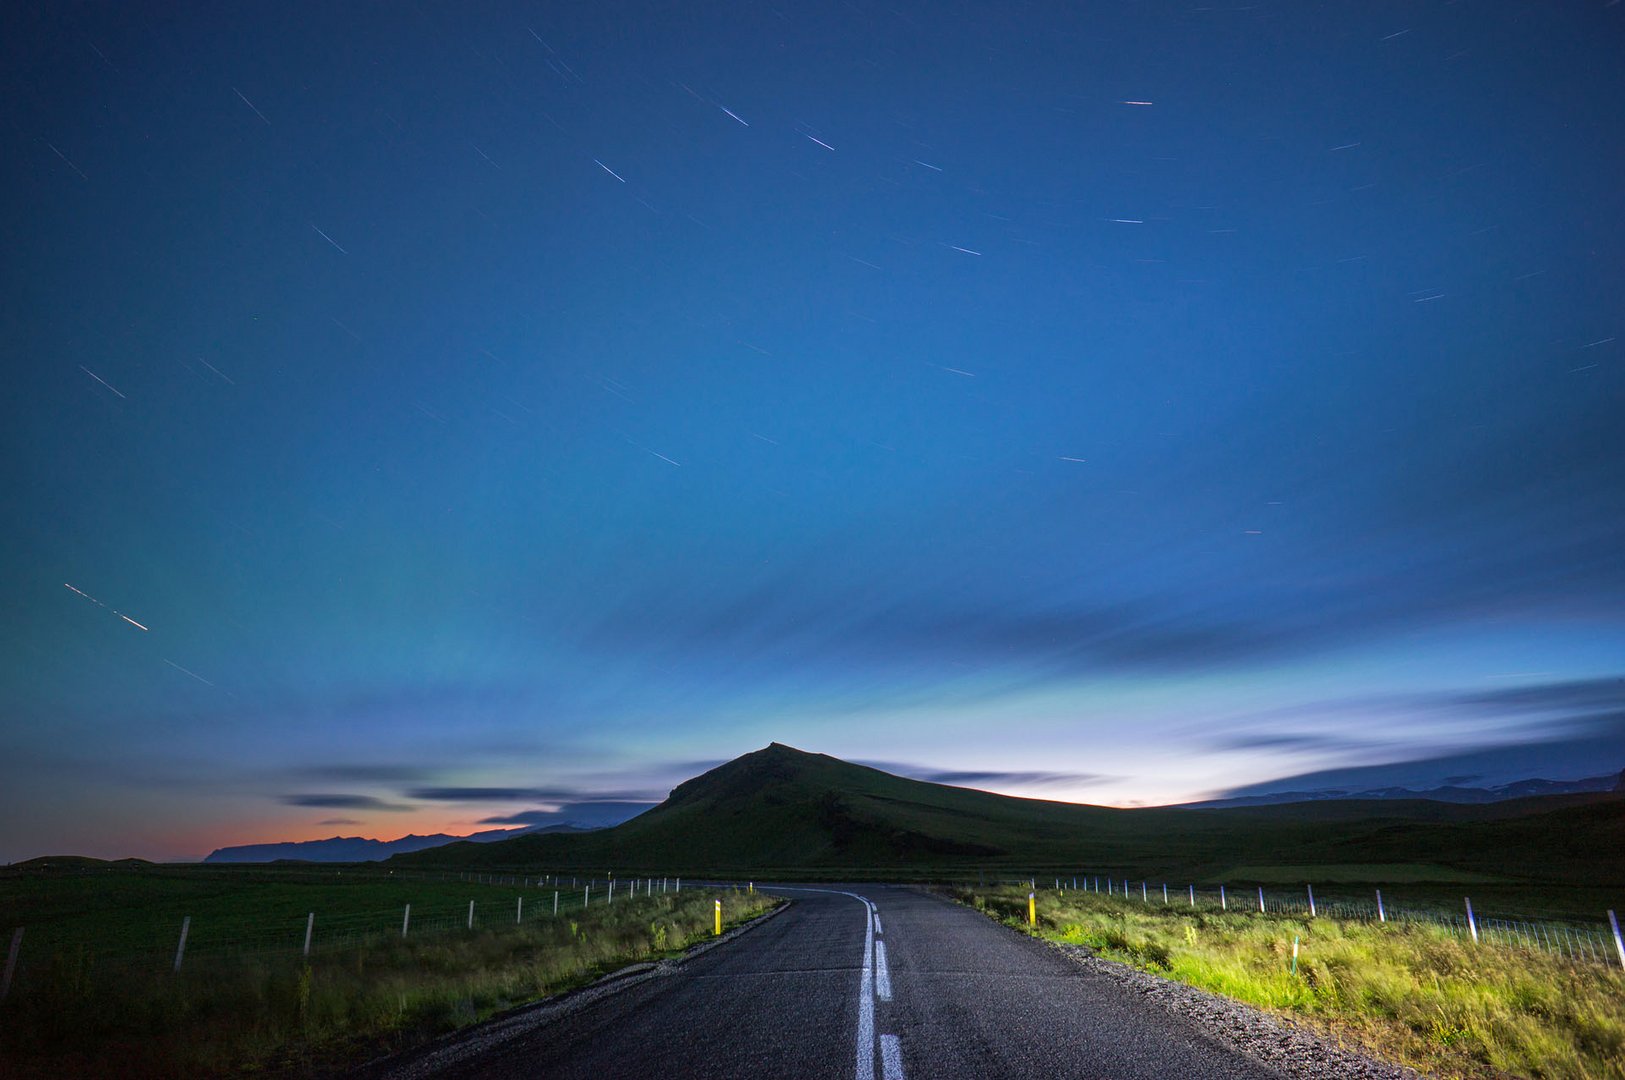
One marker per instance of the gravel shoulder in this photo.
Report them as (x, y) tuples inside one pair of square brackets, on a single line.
[(1274, 1041)]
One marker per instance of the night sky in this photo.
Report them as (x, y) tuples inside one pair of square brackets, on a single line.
[(422, 416)]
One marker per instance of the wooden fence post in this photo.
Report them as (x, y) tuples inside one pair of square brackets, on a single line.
[(16, 947), (180, 950)]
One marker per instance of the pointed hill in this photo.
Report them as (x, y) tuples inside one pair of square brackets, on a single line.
[(783, 811)]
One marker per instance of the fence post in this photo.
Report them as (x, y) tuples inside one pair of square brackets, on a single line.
[(1261, 899), (1311, 889), (310, 928), (1382, 916), (180, 950), (1472, 923), (1613, 921), (471, 914), (406, 920), (11, 961)]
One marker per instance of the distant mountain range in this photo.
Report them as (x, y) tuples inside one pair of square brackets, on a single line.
[(361, 849), (787, 813), (1451, 793)]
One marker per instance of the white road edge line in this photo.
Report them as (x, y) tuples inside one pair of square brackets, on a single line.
[(866, 1000), (891, 1058), (882, 972)]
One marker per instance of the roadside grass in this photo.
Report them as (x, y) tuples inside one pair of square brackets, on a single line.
[(278, 1014), (1410, 992)]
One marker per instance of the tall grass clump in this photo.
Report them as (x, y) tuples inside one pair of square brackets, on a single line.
[(280, 1013), (1410, 991)]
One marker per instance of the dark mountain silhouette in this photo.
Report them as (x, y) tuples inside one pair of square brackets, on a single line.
[(362, 849), (781, 811), (1452, 793)]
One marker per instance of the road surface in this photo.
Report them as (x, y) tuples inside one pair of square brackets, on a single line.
[(865, 982)]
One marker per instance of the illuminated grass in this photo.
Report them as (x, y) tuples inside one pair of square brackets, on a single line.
[(1407, 991)]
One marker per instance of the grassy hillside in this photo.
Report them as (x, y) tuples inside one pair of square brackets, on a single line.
[(785, 812)]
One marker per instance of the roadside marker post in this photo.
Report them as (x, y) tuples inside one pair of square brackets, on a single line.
[(586, 896), (1472, 923), (519, 914), (11, 961), (1145, 897), (1613, 922), (1294, 954), (310, 928), (1193, 896), (1261, 899), (1032, 909), (471, 914), (1311, 889), (1382, 916), (555, 901), (1164, 894), (406, 920), (180, 949), (719, 918), (1224, 905)]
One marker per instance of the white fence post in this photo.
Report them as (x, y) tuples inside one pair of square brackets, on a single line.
[(471, 914), (1472, 923), (1382, 916), (406, 920), (1613, 921), (11, 961), (1311, 889), (310, 928), (180, 950)]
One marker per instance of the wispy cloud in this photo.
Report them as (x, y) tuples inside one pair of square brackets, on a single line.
[(585, 814), (516, 794), (344, 802)]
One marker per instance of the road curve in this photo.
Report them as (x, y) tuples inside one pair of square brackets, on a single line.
[(865, 982)]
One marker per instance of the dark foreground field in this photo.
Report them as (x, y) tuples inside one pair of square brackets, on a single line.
[(96, 993)]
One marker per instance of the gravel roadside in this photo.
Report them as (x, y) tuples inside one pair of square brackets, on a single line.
[(1290, 1050)]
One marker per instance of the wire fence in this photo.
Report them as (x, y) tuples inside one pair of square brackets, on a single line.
[(1597, 942), (172, 944)]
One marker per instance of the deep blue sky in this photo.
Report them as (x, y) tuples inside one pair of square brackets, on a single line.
[(482, 408)]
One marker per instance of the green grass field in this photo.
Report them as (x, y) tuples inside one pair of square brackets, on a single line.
[(94, 997), (1410, 992)]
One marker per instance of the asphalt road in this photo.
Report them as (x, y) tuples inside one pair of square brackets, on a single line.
[(864, 982)]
